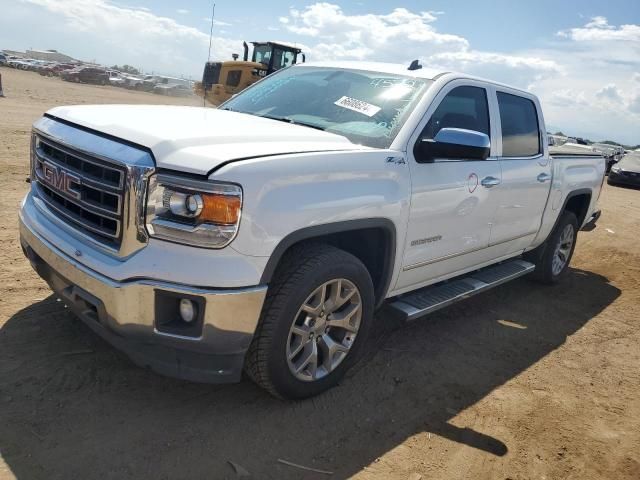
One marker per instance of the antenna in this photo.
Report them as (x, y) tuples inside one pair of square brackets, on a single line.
[(213, 14)]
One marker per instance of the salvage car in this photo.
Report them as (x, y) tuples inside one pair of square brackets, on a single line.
[(174, 90), (94, 75), (626, 171), (56, 69), (263, 235)]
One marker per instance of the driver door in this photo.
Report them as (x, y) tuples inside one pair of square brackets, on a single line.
[(453, 201)]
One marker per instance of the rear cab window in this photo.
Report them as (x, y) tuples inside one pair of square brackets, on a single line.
[(520, 128)]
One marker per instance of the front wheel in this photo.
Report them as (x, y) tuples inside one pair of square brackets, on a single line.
[(552, 261), (314, 323)]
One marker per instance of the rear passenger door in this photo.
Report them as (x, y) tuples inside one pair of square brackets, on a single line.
[(526, 171)]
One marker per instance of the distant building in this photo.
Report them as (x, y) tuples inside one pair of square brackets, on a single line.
[(49, 55)]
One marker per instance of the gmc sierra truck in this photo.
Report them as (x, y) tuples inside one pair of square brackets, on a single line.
[(263, 235)]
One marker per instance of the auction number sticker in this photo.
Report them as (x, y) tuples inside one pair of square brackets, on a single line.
[(358, 106)]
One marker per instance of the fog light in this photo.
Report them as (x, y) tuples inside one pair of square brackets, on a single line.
[(187, 310)]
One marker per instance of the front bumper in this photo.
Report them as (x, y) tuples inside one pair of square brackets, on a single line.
[(124, 314)]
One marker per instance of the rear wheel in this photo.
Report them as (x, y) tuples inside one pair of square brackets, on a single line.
[(553, 257), (314, 323)]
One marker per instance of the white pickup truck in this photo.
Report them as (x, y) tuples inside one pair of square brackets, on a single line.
[(263, 235)]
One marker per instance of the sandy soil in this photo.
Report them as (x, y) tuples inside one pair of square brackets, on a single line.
[(523, 382)]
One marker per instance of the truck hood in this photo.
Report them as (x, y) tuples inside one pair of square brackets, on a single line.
[(197, 139)]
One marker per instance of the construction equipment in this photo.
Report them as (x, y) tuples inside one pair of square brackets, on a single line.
[(222, 80)]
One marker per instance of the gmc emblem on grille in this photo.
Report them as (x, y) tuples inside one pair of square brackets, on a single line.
[(61, 180)]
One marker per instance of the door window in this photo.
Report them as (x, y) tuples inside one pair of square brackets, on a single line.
[(281, 59), (520, 130), (463, 107)]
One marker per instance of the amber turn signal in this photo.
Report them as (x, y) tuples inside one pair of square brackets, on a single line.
[(221, 209)]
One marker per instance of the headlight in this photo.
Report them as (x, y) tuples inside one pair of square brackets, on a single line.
[(615, 168), (193, 212)]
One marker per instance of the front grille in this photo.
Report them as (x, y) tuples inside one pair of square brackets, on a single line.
[(84, 191)]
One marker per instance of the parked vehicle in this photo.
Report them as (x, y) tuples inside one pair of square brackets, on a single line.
[(612, 153), (56, 69), (626, 171), (263, 234), (116, 78), (131, 81), (93, 75), (17, 63), (3, 59), (174, 90), (152, 82)]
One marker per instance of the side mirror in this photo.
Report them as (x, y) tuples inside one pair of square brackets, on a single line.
[(454, 144)]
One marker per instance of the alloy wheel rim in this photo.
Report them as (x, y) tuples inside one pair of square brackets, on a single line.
[(563, 250), (324, 330)]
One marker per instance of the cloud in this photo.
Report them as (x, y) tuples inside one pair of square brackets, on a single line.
[(634, 105), (182, 11), (598, 29), (568, 97), (219, 23), (112, 33), (395, 36), (610, 93), (572, 72), (402, 36)]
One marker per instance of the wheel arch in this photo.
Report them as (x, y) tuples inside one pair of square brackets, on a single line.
[(371, 240), (577, 202)]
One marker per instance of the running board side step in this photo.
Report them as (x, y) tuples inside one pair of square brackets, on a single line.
[(429, 299)]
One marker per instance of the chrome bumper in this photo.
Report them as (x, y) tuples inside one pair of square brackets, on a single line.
[(124, 314)]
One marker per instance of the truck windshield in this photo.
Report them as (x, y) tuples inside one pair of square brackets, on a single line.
[(368, 108)]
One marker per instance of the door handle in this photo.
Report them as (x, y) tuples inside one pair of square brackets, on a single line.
[(543, 177), (489, 182)]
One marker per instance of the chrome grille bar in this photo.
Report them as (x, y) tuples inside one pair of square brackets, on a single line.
[(91, 184), (82, 220), (87, 192)]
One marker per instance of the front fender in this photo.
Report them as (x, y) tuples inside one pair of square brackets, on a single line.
[(290, 193)]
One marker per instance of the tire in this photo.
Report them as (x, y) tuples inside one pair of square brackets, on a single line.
[(552, 258), (285, 328)]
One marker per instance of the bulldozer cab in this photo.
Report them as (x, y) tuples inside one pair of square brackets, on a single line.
[(274, 56)]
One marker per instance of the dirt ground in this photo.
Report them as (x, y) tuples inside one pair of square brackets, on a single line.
[(522, 382)]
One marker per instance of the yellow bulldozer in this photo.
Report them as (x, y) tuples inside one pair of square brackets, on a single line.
[(222, 80)]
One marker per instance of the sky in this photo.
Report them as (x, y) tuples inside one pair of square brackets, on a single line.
[(582, 58)]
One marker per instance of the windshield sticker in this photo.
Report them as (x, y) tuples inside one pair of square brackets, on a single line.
[(358, 106)]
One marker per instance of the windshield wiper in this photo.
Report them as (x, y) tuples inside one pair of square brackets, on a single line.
[(292, 121)]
